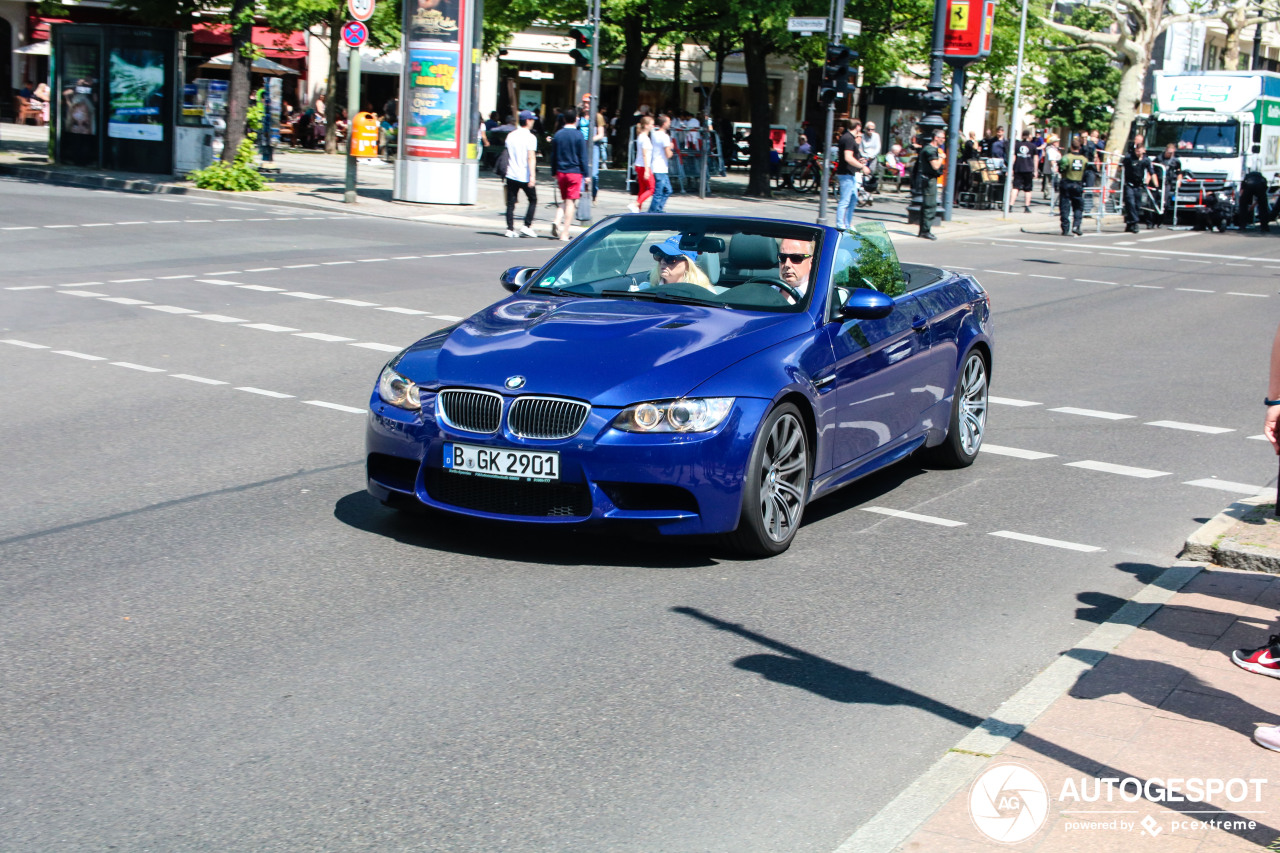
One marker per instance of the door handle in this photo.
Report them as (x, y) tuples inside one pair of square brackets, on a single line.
[(919, 323)]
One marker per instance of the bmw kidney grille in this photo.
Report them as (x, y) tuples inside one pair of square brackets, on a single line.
[(529, 417)]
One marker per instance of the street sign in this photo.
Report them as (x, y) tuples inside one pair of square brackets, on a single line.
[(354, 33), (361, 10), (968, 32), (852, 27), (807, 25)]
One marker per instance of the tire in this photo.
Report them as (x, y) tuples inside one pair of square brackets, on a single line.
[(968, 415), (775, 487)]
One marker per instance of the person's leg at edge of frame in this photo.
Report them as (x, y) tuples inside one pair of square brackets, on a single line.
[(848, 201), (513, 192), (661, 190), (532, 194), (1077, 201), (1064, 214), (644, 188)]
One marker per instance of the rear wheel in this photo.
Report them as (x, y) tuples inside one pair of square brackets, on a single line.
[(968, 415), (775, 487), (804, 179)]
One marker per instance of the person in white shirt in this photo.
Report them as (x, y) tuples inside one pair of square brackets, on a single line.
[(871, 146), (522, 171), (662, 152)]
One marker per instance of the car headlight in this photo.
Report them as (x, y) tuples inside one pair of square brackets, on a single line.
[(693, 414), (396, 390)]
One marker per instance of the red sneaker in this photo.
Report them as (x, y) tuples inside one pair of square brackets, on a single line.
[(1264, 661)]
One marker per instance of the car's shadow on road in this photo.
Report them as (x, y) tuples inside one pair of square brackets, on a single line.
[(526, 543)]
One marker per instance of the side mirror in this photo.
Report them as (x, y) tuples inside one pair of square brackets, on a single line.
[(515, 277), (1257, 148), (866, 304)]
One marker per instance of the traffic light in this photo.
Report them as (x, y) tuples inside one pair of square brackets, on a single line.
[(835, 72), (582, 36)]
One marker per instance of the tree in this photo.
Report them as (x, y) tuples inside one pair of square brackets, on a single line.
[(1237, 16), (1081, 82), (997, 72)]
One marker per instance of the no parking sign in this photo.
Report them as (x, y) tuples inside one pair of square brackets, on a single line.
[(354, 33)]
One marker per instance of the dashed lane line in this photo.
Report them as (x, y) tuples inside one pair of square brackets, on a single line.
[(1123, 470), (85, 293), (30, 287), (321, 336), (1211, 430), (201, 379), (171, 309), (1009, 401), (218, 318), (27, 344), (221, 282), (269, 327), (1094, 281), (379, 347), (1055, 277), (141, 367), (264, 392), (336, 406), (1258, 295), (302, 294), (82, 355), (913, 516), (1016, 452), (1149, 286), (1229, 486), (1193, 290), (1091, 413), (1042, 540), (260, 287)]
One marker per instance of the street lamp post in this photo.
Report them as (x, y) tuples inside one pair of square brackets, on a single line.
[(934, 100), (824, 156)]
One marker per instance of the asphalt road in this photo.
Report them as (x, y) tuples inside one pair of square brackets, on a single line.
[(214, 640)]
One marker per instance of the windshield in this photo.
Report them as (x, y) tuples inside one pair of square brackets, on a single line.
[(731, 263), (1195, 139)]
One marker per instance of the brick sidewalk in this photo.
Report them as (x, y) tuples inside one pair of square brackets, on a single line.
[(1166, 703)]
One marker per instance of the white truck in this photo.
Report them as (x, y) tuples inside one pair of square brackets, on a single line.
[(1224, 124)]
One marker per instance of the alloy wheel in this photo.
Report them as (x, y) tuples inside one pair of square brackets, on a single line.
[(783, 470), (973, 404)]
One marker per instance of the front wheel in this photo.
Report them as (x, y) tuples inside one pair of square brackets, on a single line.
[(776, 486), (968, 415)]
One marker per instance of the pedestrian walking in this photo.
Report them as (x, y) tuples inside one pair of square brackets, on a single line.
[(661, 156), (644, 163), (1025, 163), (522, 173), (1172, 178), (1049, 165), (850, 167), (569, 164), (929, 166), (1138, 174), (871, 151), (1071, 189)]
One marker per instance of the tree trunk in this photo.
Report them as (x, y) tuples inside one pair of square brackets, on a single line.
[(1133, 73), (632, 62), (1234, 22), (755, 53), (675, 83), (241, 65), (331, 87)]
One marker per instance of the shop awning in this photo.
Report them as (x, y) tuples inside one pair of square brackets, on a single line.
[(261, 65), (273, 45), (36, 48), (38, 28)]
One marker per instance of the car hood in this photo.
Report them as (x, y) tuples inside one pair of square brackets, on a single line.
[(611, 352)]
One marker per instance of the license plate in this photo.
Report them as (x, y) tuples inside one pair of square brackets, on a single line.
[(502, 463)]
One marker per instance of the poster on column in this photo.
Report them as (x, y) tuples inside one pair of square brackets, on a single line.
[(137, 94), (435, 91)]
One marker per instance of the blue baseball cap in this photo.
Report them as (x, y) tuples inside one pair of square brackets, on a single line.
[(671, 248), (527, 115)]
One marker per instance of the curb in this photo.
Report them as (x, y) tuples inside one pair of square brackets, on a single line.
[(894, 824), (1209, 543)]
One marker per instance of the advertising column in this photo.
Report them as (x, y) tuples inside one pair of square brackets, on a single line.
[(438, 161)]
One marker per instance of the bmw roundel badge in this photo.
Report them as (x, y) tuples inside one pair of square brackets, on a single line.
[(514, 382)]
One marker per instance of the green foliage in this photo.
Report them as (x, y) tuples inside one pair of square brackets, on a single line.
[(242, 174), (1082, 84), (878, 260)]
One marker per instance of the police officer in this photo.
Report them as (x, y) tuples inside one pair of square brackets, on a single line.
[(1071, 189), (1137, 172), (929, 164), (1253, 193)]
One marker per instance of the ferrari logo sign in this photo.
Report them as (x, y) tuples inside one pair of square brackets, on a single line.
[(958, 16), (969, 26)]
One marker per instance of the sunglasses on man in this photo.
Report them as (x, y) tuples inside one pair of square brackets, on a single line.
[(795, 257)]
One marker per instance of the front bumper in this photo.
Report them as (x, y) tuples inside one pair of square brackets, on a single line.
[(681, 484)]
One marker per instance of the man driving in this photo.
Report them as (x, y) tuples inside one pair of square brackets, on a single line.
[(795, 260)]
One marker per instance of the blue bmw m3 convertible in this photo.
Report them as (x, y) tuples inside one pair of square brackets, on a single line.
[(694, 374)]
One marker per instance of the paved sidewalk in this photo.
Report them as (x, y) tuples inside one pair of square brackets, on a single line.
[(315, 180), (1166, 706)]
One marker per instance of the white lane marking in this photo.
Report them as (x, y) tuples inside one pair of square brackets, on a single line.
[(1123, 470), (228, 220), (300, 266), (189, 220), (264, 392), (1259, 295), (95, 225), (371, 260), (379, 347), (190, 378), (395, 310), (204, 204), (171, 309), (124, 300), (302, 294), (1001, 272), (141, 367), (1150, 286), (452, 318), (1113, 254), (1009, 401), (81, 293), (1193, 261), (285, 218), (75, 354), (80, 284), (26, 344), (269, 327), (172, 277), (337, 263), (30, 287), (60, 226), (259, 219), (415, 257), (1194, 290), (163, 221), (1237, 265), (19, 228), (1041, 540), (1212, 430), (1078, 251), (912, 516), (1144, 251), (262, 269), (321, 336), (1258, 437), (1091, 413), (126, 280), (1229, 486), (224, 272), (218, 281), (1094, 281), (1057, 277), (359, 303), (261, 287), (337, 406), (217, 318), (1166, 237), (1014, 451)]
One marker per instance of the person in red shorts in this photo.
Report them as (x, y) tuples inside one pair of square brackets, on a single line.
[(570, 165)]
